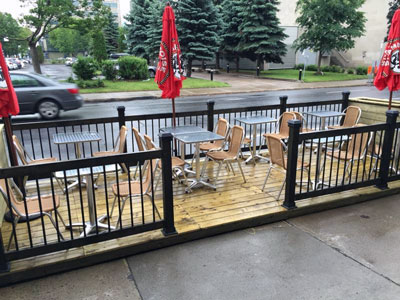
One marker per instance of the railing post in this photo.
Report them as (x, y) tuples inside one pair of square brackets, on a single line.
[(166, 166), (282, 104), (121, 121), (4, 264), (291, 168), (391, 117), (210, 115), (345, 99)]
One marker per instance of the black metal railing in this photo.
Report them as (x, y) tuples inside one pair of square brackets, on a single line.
[(325, 162), (37, 138), (73, 203)]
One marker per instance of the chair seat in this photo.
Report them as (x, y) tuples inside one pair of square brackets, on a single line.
[(247, 141), (105, 153), (209, 146), (342, 154), (175, 161), (281, 136), (220, 155), (33, 205), (122, 189), (42, 161), (303, 130)]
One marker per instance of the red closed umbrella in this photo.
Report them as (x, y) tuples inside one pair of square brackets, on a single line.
[(389, 69), (8, 105), (169, 69)]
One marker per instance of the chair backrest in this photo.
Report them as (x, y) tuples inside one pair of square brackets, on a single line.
[(284, 118), (353, 114), (10, 197), (138, 138), (122, 139), (276, 150), (23, 155), (300, 117), (222, 129), (236, 139), (146, 183), (149, 142), (358, 145)]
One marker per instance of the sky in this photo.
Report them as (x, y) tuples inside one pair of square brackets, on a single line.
[(14, 8)]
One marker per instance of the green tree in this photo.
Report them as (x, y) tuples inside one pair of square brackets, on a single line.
[(154, 29), (393, 6), (11, 31), (69, 41), (231, 36), (138, 18), (98, 46), (261, 36), (329, 25), (197, 26), (121, 40), (46, 16), (111, 34)]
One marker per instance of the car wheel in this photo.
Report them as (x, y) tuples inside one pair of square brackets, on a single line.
[(48, 109), (152, 74)]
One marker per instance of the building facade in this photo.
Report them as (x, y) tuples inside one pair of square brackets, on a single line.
[(114, 5)]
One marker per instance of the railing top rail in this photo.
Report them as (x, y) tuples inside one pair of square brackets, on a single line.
[(47, 168), (341, 132), (305, 104)]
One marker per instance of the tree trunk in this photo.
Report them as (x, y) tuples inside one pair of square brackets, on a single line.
[(237, 63), (217, 65), (319, 63), (35, 58), (260, 62), (189, 68)]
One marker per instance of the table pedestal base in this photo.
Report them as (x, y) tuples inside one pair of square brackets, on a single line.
[(89, 227)]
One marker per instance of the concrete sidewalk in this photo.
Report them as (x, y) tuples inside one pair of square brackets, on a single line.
[(238, 84), (346, 253)]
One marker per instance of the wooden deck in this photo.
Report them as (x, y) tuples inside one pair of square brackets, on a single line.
[(203, 212)]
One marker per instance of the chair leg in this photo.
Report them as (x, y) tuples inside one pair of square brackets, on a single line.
[(266, 177), (241, 170), (16, 219), (61, 218), (120, 212), (216, 178), (203, 169), (55, 225), (280, 192)]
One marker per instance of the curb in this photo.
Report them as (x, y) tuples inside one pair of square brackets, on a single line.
[(133, 98)]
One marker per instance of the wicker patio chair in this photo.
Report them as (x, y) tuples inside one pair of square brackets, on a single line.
[(278, 160), (134, 188), (227, 157), (303, 129), (178, 164), (354, 150), (35, 206), (140, 144), (353, 114)]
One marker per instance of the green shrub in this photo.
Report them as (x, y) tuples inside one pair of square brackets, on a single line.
[(133, 68), (299, 66), (350, 71), (326, 69), (70, 79), (361, 70), (84, 68), (88, 84), (311, 68), (109, 69), (336, 69)]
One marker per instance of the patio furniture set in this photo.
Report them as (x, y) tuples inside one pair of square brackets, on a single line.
[(223, 146)]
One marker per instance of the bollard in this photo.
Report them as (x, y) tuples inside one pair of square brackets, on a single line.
[(300, 74), (258, 71), (212, 75), (227, 68)]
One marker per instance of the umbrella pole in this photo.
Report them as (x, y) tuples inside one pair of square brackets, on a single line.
[(10, 144), (174, 124), (390, 100)]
